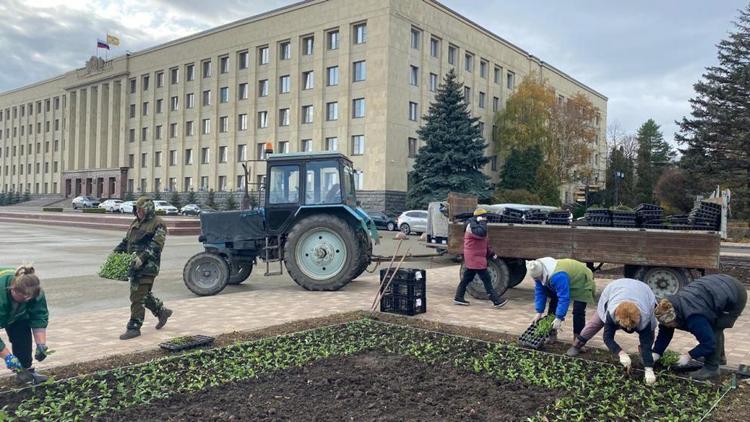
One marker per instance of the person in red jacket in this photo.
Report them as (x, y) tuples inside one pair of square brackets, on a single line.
[(476, 251)]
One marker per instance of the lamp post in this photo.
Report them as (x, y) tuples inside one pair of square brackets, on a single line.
[(618, 176)]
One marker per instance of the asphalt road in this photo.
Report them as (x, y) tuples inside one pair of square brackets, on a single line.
[(67, 260)]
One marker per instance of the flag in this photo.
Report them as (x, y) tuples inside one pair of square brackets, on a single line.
[(102, 44), (112, 40)]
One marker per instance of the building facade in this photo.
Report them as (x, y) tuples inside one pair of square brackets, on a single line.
[(353, 76)]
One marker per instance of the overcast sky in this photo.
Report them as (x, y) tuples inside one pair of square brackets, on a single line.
[(643, 55)]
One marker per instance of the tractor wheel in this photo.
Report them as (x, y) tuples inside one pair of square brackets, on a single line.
[(664, 281), (206, 274), (365, 257), (323, 252), (517, 269), (499, 274), (240, 271)]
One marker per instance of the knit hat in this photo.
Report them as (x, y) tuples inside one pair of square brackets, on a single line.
[(534, 269), (479, 211)]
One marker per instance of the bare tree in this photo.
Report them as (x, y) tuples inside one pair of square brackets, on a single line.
[(617, 137)]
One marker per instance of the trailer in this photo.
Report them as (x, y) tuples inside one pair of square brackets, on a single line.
[(664, 259)]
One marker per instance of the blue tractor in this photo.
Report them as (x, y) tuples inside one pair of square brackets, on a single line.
[(310, 223)]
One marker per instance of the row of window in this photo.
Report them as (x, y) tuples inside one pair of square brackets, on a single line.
[(11, 170), (48, 126), (12, 150), (46, 190), (284, 49), (24, 109)]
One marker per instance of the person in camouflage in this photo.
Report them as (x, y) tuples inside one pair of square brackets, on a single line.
[(145, 238)]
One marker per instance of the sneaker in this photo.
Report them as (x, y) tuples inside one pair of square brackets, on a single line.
[(573, 351), (163, 317), (500, 303), (462, 302), (30, 377), (704, 374), (38, 378), (130, 333)]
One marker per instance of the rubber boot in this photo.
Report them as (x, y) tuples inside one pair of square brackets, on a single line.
[(573, 351), (130, 333), (164, 315), (704, 374), (30, 377)]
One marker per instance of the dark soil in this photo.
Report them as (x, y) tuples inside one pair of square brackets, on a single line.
[(367, 387), (735, 406)]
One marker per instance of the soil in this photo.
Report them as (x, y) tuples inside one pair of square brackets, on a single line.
[(734, 407), (366, 387)]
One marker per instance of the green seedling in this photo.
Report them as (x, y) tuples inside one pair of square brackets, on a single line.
[(544, 326), (669, 358), (116, 266)]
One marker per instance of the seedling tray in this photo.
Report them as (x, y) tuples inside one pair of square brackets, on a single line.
[(186, 342), (531, 339)]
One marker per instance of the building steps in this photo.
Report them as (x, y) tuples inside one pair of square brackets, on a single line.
[(176, 226)]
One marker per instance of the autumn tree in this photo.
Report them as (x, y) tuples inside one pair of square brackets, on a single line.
[(672, 191)]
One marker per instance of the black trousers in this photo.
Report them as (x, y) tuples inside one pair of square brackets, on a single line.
[(724, 321), (19, 334), (468, 277), (579, 314)]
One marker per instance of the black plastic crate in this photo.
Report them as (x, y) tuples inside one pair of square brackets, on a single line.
[(186, 342), (407, 292), (530, 339)]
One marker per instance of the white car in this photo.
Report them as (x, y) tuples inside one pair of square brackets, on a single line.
[(111, 205), (127, 207), (85, 202), (412, 221), (165, 206)]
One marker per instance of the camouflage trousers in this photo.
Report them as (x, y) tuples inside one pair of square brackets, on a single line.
[(141, 299)]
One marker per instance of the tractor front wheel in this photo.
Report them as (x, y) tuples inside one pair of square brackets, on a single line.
[(206, 274), (323, 252)]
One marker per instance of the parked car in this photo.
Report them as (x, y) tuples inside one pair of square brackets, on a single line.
[(191, 209), (412, 221), (383, 220), (127, 207), (85, 202), (165, 206), (111, 205)]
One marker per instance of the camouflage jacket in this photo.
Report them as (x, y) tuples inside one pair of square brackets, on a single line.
[(146, 238)]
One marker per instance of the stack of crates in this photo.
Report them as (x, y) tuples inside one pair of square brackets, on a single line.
[(513, 216), (407, 292), (706, 216), (650, 216), (598, 217), (559, 218), (623, 219)]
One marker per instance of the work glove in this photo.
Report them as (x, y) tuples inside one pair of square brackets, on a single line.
[(480, 218), (649, 376), (655, 356), (556, 324), (137, 262), (624, 359), (537, 317), (12, 362), (684, 360), (41, 352)]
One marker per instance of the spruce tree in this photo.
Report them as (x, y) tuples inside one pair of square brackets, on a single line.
[(520, 169), (716, 135), (654, 154), (191, 198), (175, 200), (3, 197), (452, 157), (211, 201), (230, 203)]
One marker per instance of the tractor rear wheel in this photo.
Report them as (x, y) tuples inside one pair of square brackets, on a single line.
[(323, 252), (206, 274), (499, 274), (240, 271)]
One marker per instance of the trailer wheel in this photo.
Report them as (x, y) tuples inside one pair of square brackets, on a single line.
[(517, 271), (664, 281), (499, 274), (206, 274), (240, 271), (323, 252)]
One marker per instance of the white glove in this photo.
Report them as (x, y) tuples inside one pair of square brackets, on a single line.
[(624, 359), (556, 324), (684, 360), (649, 377), (480, 218), (655, 356), (137, 262), (537, 317)]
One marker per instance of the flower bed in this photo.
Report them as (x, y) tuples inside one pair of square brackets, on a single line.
[(584, 390)]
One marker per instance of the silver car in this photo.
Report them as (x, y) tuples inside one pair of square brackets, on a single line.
[(412, 221), (85, 202)]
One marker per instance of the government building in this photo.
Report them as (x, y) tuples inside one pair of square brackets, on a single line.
[(353, 76)]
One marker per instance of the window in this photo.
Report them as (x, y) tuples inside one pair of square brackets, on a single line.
[(205, 155), (222, 154), (413, 111), (360, 33), (172, 184), (452, 52), (332, 76), (242, 91), (307, 114), (172, 130), (144, 82), (157, 184), (223, 124), (481, 128), (284, 185), (493, 163), (308, 80), (190, 72), (306, 145), (511, 80), (284, 84), (560, 100), (498, 75), (188, 157), (332, 111), (285, 50), (189, 100), (469, 62), (57, 124), (144, 134), (157, 132), (283, 147), (174, 76), (222, 183), (261, 151), (332, 39), (131, 160), (359, 179), (413, 76), (206, 126), (174, 103), (132, 91), (483, 68), (263, 55), (263, 87), (416, 38), (434, 47), (206, 67), (131, 135), (412, 147), (358, 108), (132, 111), (144, 109), (360, 71), (242, 122), (157, 159), (495, 103), (207, 97), (224, 94), (159, 79), (358, 144), (188, 184), (46, 106), (144, 159), (467, 95), (224, 64), (56, 102), (307, 45), (172, 157), (189, 128), (159, 106), (433, 82), (241, 182), (481, 99), (284, 117), (262, 119), (332, 144), (243, 59), (241, 152)]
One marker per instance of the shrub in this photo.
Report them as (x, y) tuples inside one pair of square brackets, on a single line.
[(230, 203), (52, 209), (93, 210), (211, 200), (26, 196), (191, 198), (175, 200)]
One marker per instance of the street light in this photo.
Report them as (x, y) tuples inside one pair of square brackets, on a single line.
[(618, 176)]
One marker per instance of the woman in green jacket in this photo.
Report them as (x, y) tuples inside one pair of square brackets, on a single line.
[(23, 314)]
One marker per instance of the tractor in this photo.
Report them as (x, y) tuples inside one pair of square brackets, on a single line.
[(310, 223)]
